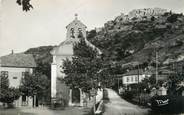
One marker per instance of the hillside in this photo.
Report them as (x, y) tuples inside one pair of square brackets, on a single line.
[(137, 38), (130, 38), (43, 58)]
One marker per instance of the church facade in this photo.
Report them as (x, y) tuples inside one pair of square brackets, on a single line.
[(65, 51)]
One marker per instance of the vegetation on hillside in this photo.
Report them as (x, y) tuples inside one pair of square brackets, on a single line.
[(43, 59), (137, 40)]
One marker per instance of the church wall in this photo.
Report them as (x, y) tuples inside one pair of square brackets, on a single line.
[(65, 50), (62, 91), (56, 71)]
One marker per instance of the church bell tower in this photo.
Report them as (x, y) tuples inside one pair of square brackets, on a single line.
[(76, 29)]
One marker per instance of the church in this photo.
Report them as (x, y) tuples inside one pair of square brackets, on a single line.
[(63, 51)]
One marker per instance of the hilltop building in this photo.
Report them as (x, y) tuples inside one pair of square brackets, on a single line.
[(75, 30), (148, 12), (139, 14), (15, 66)]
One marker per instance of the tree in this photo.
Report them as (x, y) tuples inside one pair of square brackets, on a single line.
[(82, 70), (36, 84), (172, 18), (173, 82), (26, 6), (8, 94), (147, 83), (4, 84)]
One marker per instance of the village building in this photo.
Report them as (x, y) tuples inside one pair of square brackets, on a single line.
[(146, 12), (15, 67), (134, 77), (75, 31)]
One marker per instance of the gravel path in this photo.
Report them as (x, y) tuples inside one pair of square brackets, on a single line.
[(119, 106)]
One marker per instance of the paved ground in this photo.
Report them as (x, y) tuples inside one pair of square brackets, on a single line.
[(67, 111), (45, 111), (118, 106)]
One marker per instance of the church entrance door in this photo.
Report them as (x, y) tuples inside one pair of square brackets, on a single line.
[(75, 95)]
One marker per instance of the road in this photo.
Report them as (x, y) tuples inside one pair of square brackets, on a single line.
[(119, 106), (45, 111)]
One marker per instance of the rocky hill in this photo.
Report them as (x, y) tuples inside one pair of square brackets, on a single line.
[(139, 37), (133, 37)]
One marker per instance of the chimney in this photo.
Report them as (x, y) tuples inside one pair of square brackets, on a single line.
[(12, 52), (0, 63)]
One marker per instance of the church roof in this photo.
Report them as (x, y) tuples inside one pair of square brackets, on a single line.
[(18, 60), (134, 72), (57, 49), (72, 42), (76, 21)]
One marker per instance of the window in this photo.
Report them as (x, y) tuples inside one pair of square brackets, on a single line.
[(127, 79), (72, 32), (80, 33), (80, 30), (14, 77), (136, 79), (4, 74), (132, 79), (24, 74)]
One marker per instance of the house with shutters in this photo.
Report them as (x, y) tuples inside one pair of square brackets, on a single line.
[(134, 76), (15, 66)]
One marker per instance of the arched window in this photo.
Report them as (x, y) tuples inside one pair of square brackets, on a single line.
[(72, 32), (80, 33)]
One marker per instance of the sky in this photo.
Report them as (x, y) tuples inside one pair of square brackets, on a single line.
[(46, 23)]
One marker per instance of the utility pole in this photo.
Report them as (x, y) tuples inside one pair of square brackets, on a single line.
[(138, 73), (156, 60)]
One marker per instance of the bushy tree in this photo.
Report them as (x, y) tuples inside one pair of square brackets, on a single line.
[(82, 70), (147, 83), (7, 94), (36, 84), (173, 82), (4, 84)]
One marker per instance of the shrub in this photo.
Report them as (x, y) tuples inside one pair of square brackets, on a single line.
[(128, 95), (173, 18), (9, 95)]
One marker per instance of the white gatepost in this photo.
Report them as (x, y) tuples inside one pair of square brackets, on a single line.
[(29, 100), (81, 97), (70, 98), (19, 102), (53, 80)]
